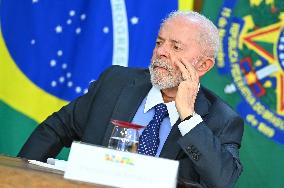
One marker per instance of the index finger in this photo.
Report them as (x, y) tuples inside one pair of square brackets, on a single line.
[(191, 70), (183, 69)]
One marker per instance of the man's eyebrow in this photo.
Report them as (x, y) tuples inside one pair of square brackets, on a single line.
[(172, 40), (176, 41), (160, 38)]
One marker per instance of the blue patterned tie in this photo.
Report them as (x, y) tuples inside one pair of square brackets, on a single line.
[(149, 140)]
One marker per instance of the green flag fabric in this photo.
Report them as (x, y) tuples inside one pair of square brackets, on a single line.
[(249, 76)]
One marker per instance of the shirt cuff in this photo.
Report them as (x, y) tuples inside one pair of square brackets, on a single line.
[(187, 125)]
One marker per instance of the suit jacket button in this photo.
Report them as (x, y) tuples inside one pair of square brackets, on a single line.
[(195, 156), (189, 149)]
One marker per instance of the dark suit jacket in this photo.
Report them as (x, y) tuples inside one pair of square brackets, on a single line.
[(208, 154)]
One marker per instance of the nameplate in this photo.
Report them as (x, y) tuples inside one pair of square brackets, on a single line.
[(95, 164)]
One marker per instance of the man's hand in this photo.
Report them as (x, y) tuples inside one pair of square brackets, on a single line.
[(187, 89)]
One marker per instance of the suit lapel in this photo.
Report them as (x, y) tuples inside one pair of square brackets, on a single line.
[(128, 102), (171, 148), (201, 104)]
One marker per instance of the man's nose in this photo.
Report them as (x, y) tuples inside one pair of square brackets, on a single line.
[(162, 50)]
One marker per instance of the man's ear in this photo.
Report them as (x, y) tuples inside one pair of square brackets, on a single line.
[(204, 66)]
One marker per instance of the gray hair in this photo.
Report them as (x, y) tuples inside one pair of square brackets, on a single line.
[(209, 35)]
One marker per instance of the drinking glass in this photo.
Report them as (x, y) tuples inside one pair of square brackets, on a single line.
[(124, 136)]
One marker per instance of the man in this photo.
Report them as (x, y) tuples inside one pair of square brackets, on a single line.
[(199, 129)]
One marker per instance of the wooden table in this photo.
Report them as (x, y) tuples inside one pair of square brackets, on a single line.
[(15, 172)]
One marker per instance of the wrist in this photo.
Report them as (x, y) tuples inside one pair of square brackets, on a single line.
[(187, 117)]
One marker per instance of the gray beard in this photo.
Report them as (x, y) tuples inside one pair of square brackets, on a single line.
[(160, 80)]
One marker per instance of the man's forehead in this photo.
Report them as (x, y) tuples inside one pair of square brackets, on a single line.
[(180, 25), (179, 34)]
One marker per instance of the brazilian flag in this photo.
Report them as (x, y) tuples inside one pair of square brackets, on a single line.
[(51, 50), (249, 76)]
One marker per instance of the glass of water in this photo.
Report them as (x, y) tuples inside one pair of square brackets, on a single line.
[(124, 136)]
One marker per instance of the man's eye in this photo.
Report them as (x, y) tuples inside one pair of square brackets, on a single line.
[(177, 48), (158, 43)]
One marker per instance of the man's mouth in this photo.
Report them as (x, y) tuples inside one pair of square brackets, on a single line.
[(161, 68)]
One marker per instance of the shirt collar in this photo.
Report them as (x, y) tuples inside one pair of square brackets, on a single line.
[(154, 97)]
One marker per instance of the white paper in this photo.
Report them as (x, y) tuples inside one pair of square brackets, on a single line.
[(120, 169), (59, 165)]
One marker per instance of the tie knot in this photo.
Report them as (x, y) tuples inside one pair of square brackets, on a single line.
[(161, 110)]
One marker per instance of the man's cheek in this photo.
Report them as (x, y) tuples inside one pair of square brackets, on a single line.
[(176, 59), (154, 53)]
